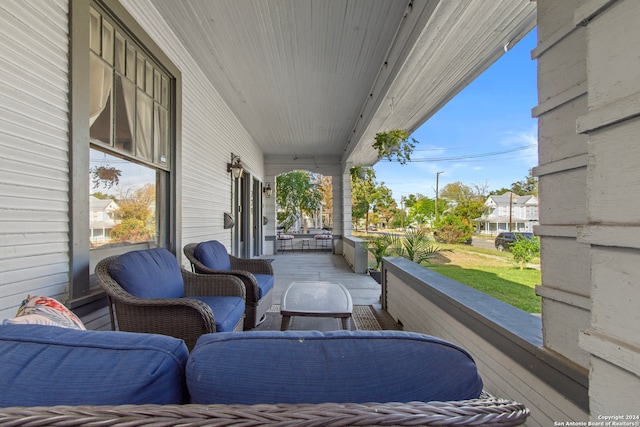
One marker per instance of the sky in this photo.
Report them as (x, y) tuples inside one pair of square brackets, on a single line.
[(484, 136)]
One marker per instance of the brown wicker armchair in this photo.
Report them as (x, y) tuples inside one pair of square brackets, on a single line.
[(246, 270), (186, 318)]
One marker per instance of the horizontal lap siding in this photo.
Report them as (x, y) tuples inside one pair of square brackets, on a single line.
[(210, 133), (502, 376), (34, 152)]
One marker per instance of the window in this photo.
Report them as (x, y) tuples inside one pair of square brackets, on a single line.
[(124, 116), (129, 132)]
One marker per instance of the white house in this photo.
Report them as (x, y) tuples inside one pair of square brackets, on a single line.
[(102, 221), (508, 208)]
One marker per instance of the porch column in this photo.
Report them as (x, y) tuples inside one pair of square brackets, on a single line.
[(341, 209)]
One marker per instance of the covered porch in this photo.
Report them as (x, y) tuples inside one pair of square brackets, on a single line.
[(290, 85)]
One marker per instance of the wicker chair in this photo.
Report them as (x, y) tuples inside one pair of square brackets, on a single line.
[(186, 318), (244, 269)]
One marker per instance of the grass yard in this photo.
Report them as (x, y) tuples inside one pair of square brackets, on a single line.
[(491, 273)]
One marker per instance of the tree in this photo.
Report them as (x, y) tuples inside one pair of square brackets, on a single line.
[(369, 197), (453, 229), (528, 186), (297, 192), (464, 201), (136, 215), (325, 185)]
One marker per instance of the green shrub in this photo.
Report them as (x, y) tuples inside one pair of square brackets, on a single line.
[(452, 229), (524, 250)]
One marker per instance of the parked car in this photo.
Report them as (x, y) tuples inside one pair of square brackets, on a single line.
[(504, 240)]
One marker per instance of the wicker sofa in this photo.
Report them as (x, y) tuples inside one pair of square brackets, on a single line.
[(59, 376)]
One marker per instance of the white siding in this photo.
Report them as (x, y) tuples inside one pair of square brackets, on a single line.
[(562, 76), (34, 178), (612, 126), (210, 133), (502, 376)]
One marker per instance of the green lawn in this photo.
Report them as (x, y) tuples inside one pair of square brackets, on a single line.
[(508, 284)]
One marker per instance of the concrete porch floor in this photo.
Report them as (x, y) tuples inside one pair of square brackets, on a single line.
[(324, 266)]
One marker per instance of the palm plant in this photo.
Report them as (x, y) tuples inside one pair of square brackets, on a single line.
[(416, 246)]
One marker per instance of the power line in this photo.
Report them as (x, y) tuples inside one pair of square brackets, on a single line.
[(473, 156)]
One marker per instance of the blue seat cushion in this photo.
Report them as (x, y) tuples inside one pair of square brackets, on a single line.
[(150, 273), (265, 283), (213, 254), (50, 365), (226, 311), (340, 366)]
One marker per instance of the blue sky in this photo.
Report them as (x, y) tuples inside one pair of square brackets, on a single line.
[(485, 135)]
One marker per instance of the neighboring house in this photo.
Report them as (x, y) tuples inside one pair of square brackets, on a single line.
[(500, 210), (101, 220)]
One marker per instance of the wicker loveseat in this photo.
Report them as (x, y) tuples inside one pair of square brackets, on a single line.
[(58, 376)]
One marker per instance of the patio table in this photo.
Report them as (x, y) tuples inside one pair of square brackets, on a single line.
[(316, 299)]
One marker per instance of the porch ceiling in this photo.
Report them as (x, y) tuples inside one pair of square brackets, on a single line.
[(318, 78)]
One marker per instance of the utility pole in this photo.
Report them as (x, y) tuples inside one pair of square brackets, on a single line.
[(437, 179), (510, 209)]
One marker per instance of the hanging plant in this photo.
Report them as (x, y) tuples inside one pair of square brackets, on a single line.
[(395, 144), (106, 176)]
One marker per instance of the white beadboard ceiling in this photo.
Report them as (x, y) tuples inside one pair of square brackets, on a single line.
[(318, 78)]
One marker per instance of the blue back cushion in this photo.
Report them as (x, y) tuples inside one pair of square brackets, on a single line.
[(150, 273), (49, 365), (213, 254), (340, 366)]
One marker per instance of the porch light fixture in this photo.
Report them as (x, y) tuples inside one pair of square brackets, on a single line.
[(235, 166), (268, 191)]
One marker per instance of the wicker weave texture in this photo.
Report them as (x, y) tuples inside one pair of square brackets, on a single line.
[(183, 318), (477, 412), (243, 269)]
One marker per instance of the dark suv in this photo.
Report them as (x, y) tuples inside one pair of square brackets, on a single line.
[(504, 240)]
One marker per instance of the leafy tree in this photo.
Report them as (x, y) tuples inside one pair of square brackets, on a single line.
[(524, 250), (453, 229), (525, 187), (297, 192), (325, 185), (422, 210), (464, 201), (368, 196), (136, 215)]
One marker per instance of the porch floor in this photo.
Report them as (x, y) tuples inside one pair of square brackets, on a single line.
[(324, 266)]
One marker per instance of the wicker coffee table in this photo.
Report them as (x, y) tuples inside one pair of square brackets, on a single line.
[(316, 299)]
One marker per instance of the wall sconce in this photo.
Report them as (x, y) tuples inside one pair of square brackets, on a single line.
[(268, 191), (235, 166)]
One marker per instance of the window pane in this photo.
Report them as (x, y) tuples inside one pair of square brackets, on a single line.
[(131, 62), (165, 91), (157, 82), (120, 45), (95, 39), (161, 136), (125, 114), (144, 118), (140, 71), (122, 205), (107, 42), (149, 77), (100, 100)]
